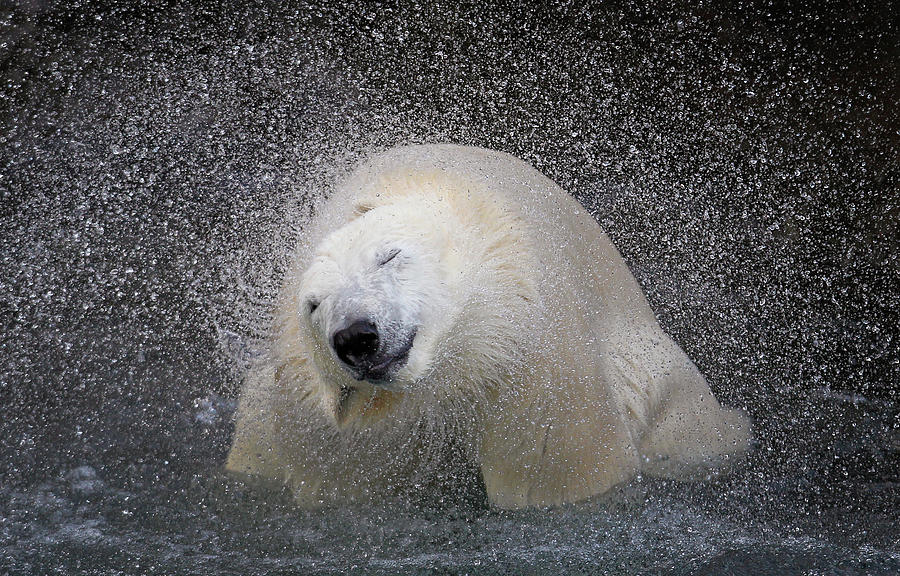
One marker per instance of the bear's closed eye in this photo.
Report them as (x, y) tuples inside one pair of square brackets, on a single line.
[(390, 256)]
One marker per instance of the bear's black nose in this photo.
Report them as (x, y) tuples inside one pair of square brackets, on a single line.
[(356, 344)]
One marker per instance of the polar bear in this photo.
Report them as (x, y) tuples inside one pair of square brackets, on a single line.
[(452, 309)]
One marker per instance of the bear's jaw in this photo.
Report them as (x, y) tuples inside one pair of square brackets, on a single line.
[(359, 406)]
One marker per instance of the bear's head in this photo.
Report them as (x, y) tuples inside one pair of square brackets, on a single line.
[(377, 303), (420, 296)]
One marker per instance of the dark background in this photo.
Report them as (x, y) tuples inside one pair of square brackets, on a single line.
[(155, 164)]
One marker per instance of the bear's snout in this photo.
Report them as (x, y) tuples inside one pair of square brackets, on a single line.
[(357, 344)]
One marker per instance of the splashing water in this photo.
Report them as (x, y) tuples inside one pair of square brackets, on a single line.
[(157, 163)]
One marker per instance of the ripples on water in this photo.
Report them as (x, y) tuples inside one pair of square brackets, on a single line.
[(156, 163), (204, 523)]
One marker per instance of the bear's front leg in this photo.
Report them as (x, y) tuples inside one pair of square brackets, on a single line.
[(558, 438)]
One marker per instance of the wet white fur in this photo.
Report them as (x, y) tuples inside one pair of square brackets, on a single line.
[(537, 358)]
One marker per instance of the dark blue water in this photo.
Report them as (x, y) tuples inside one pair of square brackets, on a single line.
[(754, 523)]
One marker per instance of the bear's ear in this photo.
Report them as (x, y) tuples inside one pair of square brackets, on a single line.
[(361, 208), (556, 437)]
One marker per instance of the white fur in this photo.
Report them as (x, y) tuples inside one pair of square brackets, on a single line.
[(536, 358)]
